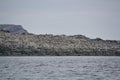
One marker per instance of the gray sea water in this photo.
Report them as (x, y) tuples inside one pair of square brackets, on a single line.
[(60, 68)]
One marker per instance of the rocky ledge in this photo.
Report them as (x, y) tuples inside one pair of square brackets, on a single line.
[(13, 28), (55, 45)]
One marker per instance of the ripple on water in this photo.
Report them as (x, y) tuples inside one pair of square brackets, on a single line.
[(60, 68)]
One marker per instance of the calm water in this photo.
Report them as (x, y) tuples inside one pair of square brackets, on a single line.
[(60, 68)]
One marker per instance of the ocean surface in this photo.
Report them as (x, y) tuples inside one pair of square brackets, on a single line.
[(60, 68)]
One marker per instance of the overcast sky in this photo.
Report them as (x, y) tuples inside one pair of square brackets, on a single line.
[(92, 18)]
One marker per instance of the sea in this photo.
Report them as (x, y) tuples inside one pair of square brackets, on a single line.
[(60, 68)]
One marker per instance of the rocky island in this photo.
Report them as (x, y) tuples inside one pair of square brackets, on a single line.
[(16, 41)]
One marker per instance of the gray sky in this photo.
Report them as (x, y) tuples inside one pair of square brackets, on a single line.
[(92, 18)]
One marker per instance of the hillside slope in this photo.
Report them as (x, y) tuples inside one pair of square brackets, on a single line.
[(57, 45), (13, 28)]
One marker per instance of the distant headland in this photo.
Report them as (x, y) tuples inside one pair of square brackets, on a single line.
[(16, 41), (18, 29)]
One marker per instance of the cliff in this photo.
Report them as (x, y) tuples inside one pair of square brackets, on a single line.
[(13, 28), (55, 45)]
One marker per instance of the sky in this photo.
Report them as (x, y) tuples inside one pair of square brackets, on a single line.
[(92, 18)]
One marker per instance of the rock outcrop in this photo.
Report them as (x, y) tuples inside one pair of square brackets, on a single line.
[(55, 45), (13, 28)]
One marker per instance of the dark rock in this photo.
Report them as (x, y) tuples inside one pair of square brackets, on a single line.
[(13, 28)]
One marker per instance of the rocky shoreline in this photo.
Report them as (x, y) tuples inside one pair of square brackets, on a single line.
[(13, 44)]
